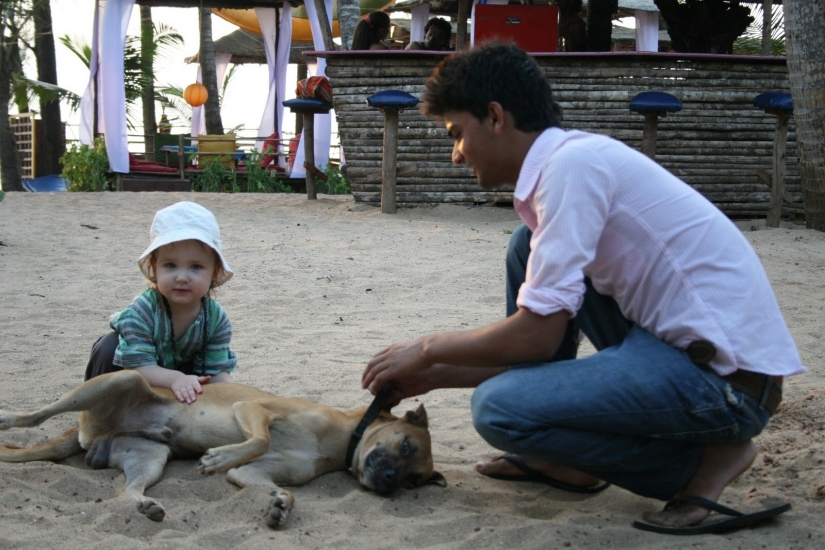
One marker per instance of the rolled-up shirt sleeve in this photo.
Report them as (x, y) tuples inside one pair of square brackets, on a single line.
[(218, 356), (571, 204), (136, 347)]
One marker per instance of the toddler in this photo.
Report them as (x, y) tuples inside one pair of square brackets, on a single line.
[(174, 333)]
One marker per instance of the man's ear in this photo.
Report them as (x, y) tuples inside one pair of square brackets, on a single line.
[(495, 112)]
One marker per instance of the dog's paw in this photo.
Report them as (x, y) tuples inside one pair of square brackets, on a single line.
[(151, 509), (214, 461), (279, 508)]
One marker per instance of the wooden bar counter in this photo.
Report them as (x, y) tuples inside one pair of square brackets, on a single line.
[(716, 143)]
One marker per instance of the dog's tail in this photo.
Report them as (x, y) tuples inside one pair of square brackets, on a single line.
[(59, 448)]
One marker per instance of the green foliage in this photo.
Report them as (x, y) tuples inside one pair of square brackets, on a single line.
[(750, 43), (336, 183), (215, 178), (2, 195), (87, 168)]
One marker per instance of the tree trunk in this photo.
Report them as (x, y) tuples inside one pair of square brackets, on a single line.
[(572, 28), (349, 14), (147, 72), (9, 161), (806, 69), (599, 25), (767, 21), (212, 108), (48, 156)]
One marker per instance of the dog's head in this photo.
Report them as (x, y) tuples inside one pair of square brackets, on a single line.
[(396, 453)]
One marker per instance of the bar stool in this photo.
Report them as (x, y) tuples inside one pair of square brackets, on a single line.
[(390, 102), (781, 105), (308, 108), (653, 105)]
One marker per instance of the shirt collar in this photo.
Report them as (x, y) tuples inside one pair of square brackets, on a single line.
[(544, 146)]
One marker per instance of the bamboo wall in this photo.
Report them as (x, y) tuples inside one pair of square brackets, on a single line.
[(716, 143)]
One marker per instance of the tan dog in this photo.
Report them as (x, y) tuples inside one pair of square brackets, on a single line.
[(259, 438)]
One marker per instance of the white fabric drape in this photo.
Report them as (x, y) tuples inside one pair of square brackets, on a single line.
[(420, 15), (113, 24), (277, 61), (473, 17), (87, 102), (647, 31), (198, 119), (323, 123)]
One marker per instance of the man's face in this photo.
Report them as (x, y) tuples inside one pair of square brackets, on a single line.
[(436, 38), (474, 145)]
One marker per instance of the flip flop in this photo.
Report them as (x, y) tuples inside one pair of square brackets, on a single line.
[(540, 477), (735, 520)]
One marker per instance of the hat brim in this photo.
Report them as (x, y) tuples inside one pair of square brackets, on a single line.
[(176, 236)]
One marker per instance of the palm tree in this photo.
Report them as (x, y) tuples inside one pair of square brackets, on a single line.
[(349, 13), (209, 76), (147, 55), (806, 70), (10, 62), (599, 25), (51, 147)]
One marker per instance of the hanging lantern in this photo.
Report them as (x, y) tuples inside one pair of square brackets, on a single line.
[(195, 94)]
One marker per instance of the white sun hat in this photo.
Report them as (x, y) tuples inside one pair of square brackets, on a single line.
[(184, 221)]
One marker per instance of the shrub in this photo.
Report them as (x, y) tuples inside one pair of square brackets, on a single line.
[(87, 168), (336, 183)]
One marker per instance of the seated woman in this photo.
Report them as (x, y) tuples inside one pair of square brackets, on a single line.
[(371, 32), (437, 35)]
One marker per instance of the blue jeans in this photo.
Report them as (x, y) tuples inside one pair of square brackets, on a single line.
[(637, 414)]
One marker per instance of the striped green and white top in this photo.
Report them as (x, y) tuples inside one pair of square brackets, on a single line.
[(146, 334)]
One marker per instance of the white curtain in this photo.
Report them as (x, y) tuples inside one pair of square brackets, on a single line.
[(420, 15), (647, 31), (323, 123), (87, 102), (113, 24), (277, 62), (198, 119), (473, 17)]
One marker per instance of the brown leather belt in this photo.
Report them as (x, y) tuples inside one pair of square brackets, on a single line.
[(765, 389)]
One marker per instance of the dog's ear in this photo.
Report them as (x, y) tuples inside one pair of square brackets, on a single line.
[(437, 479), (417, 417)]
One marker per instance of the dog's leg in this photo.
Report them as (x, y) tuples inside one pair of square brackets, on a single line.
[(57, 449), (142, 461), (108, 390), (253, 419), (259, 473)]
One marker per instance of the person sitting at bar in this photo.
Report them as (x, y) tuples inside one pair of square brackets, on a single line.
[(371, 32), (437, 35)]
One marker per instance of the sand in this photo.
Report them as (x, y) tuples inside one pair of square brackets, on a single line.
[(319, 287)]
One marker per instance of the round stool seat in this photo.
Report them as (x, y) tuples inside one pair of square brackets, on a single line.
[(308, 105), (655, 101), (775, 101), (392, 99)]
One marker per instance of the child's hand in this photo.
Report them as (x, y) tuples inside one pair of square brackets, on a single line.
[(187, 388)]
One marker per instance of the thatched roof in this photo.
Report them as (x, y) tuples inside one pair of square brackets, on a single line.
[(248, 47)]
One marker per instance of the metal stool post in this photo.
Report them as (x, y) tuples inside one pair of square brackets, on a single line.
[(390, 102), (653, 105), (781, 105), (308, 108)]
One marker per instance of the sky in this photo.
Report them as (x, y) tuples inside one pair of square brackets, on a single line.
[(245, 95)]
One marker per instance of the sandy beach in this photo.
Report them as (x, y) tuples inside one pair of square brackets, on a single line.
[(319, 287)]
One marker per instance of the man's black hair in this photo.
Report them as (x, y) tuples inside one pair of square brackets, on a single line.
[(442, 24), (471, 80)]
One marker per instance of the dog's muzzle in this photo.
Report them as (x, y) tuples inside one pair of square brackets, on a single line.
[(380, 472)]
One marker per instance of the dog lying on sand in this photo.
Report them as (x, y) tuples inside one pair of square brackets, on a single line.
[(258, 438)]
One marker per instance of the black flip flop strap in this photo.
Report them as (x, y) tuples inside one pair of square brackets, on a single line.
[(379, 403), (709, 505)]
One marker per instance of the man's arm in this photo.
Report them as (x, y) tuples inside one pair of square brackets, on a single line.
[(520, 338)]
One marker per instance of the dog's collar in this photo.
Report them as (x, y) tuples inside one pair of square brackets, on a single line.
[(378, 404)]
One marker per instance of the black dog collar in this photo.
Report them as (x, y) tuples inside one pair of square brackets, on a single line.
[(378, 404)]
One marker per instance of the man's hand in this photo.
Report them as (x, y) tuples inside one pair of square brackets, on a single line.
[(187, 387), (399, 363)]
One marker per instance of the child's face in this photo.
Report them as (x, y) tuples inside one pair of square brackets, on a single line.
[(184, 271)]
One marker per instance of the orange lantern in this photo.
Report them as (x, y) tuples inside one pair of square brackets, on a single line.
[(195, 94)]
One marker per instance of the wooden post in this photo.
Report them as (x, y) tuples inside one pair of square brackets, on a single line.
[(461, 40), (649, 135), (181, 157), (309, 153), (323, 20), (389, 161), (778, 179)]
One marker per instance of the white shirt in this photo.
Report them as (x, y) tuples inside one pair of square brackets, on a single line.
[(676, 266)]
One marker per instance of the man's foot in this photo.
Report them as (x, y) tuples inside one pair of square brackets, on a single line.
[(516, 468), (721, 464)]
